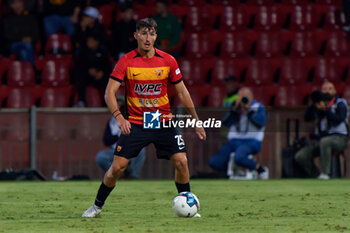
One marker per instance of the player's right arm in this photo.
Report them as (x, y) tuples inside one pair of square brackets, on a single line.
[(113, 85), (111, 101)]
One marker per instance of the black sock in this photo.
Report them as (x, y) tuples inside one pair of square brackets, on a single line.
[(260, 169), (183, 187), (102, 195)]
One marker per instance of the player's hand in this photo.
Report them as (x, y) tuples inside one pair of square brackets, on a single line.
[(124, 125), (201, 133)]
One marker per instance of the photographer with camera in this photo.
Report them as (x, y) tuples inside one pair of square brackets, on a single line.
[(246, 122), (331, 115)]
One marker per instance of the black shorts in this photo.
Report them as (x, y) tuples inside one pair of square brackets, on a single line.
[(167, 141)]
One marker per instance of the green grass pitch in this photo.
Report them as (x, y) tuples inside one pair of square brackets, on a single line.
[(146, 206)]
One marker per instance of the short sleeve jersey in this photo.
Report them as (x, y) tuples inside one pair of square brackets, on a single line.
[(146, 81)]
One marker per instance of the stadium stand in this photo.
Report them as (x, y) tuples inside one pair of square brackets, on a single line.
[(20, 74), (292, 72), (58, 46), (284, 42), (93, 97), (55, 97), (288, 96), (20, 98), (55, 74)]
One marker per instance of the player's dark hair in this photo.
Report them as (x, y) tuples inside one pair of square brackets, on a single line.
[(146, 23)]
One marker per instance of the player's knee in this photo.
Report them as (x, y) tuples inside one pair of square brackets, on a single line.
[(117, 168), (181, 163)]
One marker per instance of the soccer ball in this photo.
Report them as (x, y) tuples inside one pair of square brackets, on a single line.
[(185, 204)]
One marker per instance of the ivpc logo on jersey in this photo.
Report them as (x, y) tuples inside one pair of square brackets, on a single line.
[(151, 120)]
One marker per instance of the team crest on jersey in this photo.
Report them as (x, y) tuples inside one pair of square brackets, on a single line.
[(159, 73), (119, 148)]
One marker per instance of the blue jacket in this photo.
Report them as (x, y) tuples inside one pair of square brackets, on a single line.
[(247, 124)]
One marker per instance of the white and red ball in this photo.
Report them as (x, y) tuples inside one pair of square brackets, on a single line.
[(185, 204)]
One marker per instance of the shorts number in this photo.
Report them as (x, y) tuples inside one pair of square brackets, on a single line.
[(180, 142)]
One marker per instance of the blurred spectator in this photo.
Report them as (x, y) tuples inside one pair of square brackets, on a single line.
[(123, 40), (330, 113), (231, 90), (97, 3), (20, 32), (88, 25), (246, 122), (346, 9), (60, 15), (92, 68), (104, 158), (29, 5), (168, 29)]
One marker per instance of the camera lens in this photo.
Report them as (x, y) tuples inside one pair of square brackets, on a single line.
[(245, 100)]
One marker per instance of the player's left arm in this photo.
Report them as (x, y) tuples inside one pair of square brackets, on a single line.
[(186, 100)]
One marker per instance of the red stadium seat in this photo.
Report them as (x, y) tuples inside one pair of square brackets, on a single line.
[(268, 18), (333, 19), (293, 72), (58, 46), (303, 45), (302, 18), (198, 94), (259, 72), (330, 2), (192, 2), (4, 91), (234, 18), (269, 45), (260, 2), (337, 45), (55, 97), (326, 70), (21, 74), (343, 64), (224, 68), (288, 96), (294, 2), (346, 94), (106, 12), (198, 19), (5, 64), (143, 11), (55, 74), (93, 97), (192, 71), (216, 96), (199, 46), (20, 98), (235, 44), (178, 10), (263, 94)]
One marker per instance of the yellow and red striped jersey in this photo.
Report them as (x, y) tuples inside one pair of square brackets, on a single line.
[(146, 81)]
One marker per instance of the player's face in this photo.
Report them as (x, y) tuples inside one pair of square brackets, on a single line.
[(145, 38)]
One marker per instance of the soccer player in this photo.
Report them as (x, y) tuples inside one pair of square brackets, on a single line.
[(146, 72)]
